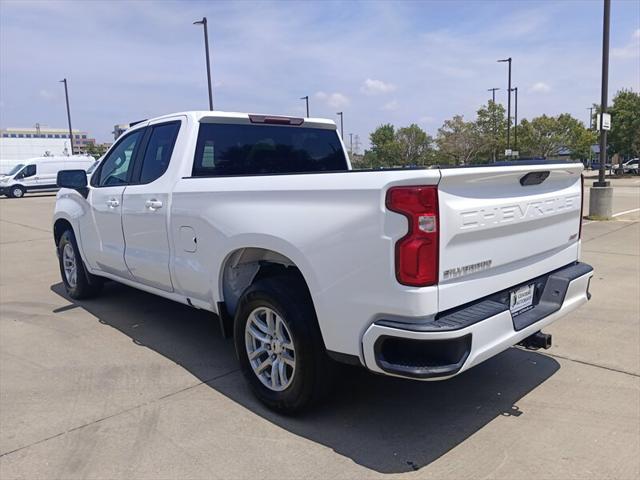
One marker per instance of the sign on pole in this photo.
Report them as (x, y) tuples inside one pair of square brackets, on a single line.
[(603, 122)]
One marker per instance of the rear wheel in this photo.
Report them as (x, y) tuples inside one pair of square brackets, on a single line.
[(279, 345), (78, 282)]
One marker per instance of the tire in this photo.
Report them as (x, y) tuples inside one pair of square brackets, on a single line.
[(16, 191), (309, 379), (78, 282)]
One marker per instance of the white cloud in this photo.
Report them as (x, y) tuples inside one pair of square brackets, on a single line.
[(539, 87), (391, 106), (376, 87), (426, 119), (631, 49), (46, 94), (334, 100)]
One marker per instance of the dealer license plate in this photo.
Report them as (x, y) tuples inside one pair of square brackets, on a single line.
[(521, 299)]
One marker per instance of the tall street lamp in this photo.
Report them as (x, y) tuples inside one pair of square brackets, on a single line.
[(341, 124), (66, 96), (508, 103), (306, 99), (601, 193), (495, 126), (515, 121), (203, 22)]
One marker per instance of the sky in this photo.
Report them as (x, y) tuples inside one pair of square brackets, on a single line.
[(378, 62)]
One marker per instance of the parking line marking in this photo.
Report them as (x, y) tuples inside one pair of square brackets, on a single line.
[(625, 212)]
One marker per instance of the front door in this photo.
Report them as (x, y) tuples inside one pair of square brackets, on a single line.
[(103, 240)]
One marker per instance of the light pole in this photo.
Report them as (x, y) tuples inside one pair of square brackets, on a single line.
[(603, 94), (601, 193), (306, 99), (515, 122), (203, 22), (495, 126), (590, 117), (508, 103), (341, 124), (66, 96), (351, 145)]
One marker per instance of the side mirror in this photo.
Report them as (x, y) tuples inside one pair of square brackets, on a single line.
[(74, 179)]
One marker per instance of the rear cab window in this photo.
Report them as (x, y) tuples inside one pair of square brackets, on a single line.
[(255, 149)]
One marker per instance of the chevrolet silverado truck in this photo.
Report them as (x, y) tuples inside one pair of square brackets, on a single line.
[(259, 219)]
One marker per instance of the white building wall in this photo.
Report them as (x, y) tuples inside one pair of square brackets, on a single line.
[(26, 148)]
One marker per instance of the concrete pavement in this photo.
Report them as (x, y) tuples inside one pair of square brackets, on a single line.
[(129, 385)]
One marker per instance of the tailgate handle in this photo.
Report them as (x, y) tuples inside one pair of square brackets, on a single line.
[(534, 178)]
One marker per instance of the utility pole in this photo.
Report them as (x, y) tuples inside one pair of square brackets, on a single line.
[(603, 93), (341, 124), (66, 96), (495, 124), (508, 104), (515, 123), (351, 144), (306, 99), (357, 149), (203, 22), (601, 193), (590, 118)]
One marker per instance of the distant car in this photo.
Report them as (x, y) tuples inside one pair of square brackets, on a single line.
[(39, 174), (630, 166)]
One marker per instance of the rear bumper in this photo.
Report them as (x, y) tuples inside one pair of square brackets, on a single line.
[(456, 340)]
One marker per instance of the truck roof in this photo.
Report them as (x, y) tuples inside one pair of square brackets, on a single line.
[(217, 115)]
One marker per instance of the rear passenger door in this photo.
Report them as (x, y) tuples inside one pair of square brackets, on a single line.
[(145, 206)]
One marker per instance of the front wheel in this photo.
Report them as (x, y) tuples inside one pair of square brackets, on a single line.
[(78, 282), (17, 191), (279, 345)]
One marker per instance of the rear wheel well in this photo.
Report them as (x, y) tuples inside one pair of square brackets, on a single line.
[(247, 265), (59, 227)]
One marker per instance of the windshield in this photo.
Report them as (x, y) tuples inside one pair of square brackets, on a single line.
[(15, 169)]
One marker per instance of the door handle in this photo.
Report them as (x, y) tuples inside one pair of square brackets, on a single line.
[(153, 204), (113, 203)]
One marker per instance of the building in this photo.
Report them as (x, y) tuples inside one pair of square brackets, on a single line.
[(123, 127), (119, 129), (24, 143)]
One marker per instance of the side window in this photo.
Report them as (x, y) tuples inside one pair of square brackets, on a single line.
[(158, 152), (115, 167), (28, 171)]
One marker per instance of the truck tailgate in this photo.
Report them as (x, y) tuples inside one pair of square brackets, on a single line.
[(503, 225)]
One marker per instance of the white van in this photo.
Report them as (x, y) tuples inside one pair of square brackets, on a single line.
[(40, 174)]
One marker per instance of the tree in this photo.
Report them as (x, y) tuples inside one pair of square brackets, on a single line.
[(414, 146), (385, 151), (95, 150), (459, 141), (546, 136), (624, 137), (491, 122)]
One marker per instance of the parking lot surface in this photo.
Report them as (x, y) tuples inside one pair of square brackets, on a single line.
[(129, 385)]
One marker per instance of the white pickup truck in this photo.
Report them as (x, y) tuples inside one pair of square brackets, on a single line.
[(415, 273)]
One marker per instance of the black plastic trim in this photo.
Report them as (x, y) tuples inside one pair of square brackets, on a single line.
[(345, 358), (422, 358)]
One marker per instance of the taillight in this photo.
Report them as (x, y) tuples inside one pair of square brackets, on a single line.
[(417, 251), (581, 204)]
